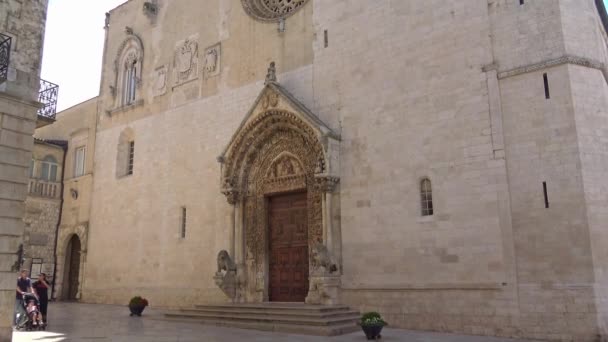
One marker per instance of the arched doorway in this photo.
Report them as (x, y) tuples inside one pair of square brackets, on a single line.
[(71, 273), (278, 172)]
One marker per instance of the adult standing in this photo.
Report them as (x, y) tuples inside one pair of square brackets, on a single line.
[(24, 285), (42, 289)]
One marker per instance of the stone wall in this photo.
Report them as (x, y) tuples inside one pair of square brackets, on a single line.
[(41, 218), (454, 93), (24, 21)]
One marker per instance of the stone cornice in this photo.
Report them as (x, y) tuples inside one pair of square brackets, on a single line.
[(567, 59)]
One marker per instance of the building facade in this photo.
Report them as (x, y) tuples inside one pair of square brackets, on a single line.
[(75, 125), (26, 102), (440, 164), (43, 207)]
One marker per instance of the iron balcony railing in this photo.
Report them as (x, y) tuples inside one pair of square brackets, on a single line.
[(5, 56), (48, 97)]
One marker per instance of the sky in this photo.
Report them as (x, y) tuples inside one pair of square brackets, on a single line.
[(73, 47)]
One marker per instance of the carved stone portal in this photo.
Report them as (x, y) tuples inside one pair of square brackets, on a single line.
[(277, 149)]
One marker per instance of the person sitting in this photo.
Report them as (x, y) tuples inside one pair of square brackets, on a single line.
[(33, 313)]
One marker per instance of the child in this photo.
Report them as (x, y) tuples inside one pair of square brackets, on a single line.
[(32, 311)]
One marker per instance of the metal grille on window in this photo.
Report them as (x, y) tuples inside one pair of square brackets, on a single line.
[(131, 157), (426, 197)]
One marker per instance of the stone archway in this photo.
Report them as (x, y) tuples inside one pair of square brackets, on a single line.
[(281, 147), (71, 272), (66, 263)]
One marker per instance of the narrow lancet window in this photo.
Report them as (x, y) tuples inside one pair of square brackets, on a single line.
[(426, 197)]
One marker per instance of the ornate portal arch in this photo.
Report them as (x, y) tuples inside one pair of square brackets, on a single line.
[(280, 147)]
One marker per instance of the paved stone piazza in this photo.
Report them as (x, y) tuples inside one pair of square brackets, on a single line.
[(97, 322)]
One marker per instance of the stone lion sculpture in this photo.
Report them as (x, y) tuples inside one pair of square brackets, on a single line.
[(224, 262), (321, 258)]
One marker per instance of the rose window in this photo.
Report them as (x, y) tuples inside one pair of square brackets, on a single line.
[(272, 10)]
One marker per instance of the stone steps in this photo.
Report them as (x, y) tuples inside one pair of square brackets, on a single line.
[(281, 317)]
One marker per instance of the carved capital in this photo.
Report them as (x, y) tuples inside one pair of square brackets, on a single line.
[(232, 195), (326, 183)]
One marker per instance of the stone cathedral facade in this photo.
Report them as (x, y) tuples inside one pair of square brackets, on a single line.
[(442, 163)]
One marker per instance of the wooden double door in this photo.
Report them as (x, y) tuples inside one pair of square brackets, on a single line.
[(288, 242)]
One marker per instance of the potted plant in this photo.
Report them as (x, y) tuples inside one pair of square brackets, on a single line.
[(372, 324), (137, 305)]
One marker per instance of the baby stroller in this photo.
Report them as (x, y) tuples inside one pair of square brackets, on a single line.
[(30, 318)]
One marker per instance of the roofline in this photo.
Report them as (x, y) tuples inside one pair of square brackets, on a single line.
[(50, 144), (115, 8), (78, 104)]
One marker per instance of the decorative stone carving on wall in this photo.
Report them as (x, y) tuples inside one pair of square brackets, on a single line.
[(271, 10), (151, 10), (225, 277), (212, 59), (270, 100), (185, 62), (322, 263), (160, 80)]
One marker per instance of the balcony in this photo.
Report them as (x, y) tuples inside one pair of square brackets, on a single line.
[(45, 189), (5, 56), (24, 84), (47, 96)]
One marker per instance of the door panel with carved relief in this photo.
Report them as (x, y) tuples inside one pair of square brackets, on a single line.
[(288, 224)]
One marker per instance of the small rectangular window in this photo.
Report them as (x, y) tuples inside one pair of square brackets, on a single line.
[(325, 38), (546, 194), (79, 161), (183, 224), (521, 2), (131, 157), (546, 82)]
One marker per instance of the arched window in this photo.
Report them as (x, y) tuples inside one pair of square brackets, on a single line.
[(426, 197), (129, 78), (49, 169), (128, 71)]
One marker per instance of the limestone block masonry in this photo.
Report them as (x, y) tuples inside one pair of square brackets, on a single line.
[(24, 22), (496, 106)]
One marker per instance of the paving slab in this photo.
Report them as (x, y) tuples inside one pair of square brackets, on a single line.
[(101, 323)]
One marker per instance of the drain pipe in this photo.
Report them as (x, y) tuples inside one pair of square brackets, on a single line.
[(65, 153)]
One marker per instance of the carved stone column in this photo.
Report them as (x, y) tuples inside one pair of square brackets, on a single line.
[(327, 184), (232, 198), (236, 241), (325, 278)]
